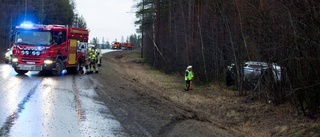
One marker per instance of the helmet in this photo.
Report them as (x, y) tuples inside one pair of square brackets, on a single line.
[(91, 45), (189, 67)]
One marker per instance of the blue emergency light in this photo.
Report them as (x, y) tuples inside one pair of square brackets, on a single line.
[(27, 25)]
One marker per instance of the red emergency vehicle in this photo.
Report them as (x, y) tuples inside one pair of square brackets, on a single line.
[(51, 48), (124, 45), (127, 46), (116, 45)]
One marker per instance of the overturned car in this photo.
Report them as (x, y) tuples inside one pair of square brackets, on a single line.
[(254, 71)]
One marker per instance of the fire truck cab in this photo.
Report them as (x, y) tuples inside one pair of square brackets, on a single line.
[(51, 48)]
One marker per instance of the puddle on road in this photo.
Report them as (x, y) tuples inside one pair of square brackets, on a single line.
[(6, 127)]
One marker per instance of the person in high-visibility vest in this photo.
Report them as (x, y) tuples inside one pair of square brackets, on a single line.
[(87, 60), (99, 57), (188, 78), (92, 60), (85, 57)]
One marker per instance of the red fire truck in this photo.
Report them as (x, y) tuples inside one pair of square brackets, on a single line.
[(124, 46), (50, 48), (116, 45), (127, 46)]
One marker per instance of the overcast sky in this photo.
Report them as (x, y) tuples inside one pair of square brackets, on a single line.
[(110, 19)]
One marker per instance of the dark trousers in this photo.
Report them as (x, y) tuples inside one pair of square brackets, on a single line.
[(187, 85), (229, 78)]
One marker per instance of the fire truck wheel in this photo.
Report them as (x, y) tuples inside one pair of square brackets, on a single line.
[(78, 68), (21, 72), (59, 69), (74, 70)]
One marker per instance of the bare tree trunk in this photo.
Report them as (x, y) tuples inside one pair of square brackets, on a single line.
[(185, 30), (241, 28), (239, 78), (201, 40)]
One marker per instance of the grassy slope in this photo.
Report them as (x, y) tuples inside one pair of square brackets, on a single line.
[(221, 106)]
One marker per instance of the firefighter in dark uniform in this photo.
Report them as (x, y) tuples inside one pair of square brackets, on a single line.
[(230, 75)]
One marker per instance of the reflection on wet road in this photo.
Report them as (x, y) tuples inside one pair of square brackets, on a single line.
[(37, 105)]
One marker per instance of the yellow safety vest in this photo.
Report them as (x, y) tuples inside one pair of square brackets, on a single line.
[(188, 75)]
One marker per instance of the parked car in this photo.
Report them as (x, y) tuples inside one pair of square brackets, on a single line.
[(8, 55)]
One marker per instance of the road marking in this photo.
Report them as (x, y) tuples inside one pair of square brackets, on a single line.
[(80, 112)]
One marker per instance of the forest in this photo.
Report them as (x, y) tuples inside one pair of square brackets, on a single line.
[(212, 34)]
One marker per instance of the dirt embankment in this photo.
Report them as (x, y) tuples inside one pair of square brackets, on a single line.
[(150, 103)]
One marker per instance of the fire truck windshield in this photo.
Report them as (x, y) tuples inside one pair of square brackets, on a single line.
[(32, 37)]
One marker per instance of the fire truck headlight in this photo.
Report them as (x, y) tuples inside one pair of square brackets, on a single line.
[(38, 53), (27, 52), (48, 61), (22, 52), (33, 53), (14, 59)]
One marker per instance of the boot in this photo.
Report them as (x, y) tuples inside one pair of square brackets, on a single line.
[(186, 89)]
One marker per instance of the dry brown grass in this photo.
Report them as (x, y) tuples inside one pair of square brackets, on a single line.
[(249, 128)]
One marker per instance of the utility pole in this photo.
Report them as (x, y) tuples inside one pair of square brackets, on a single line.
[(41, 12), (142, 30), (25, 9), (13, 17)]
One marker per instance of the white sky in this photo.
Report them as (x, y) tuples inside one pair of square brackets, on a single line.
[(110, 19)]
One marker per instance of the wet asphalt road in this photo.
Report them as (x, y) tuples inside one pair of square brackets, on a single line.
[(35, 105)]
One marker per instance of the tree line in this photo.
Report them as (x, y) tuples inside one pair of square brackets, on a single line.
[(106, 44), (212, 34)]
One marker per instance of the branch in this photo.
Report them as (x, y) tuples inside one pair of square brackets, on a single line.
[(155, 45)]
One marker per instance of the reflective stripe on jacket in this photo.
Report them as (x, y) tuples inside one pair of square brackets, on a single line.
[(93, 56)]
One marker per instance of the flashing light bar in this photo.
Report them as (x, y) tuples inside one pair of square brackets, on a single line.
[(27, 24)]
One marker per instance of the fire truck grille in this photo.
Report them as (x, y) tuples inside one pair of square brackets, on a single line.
[(31, 61)]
